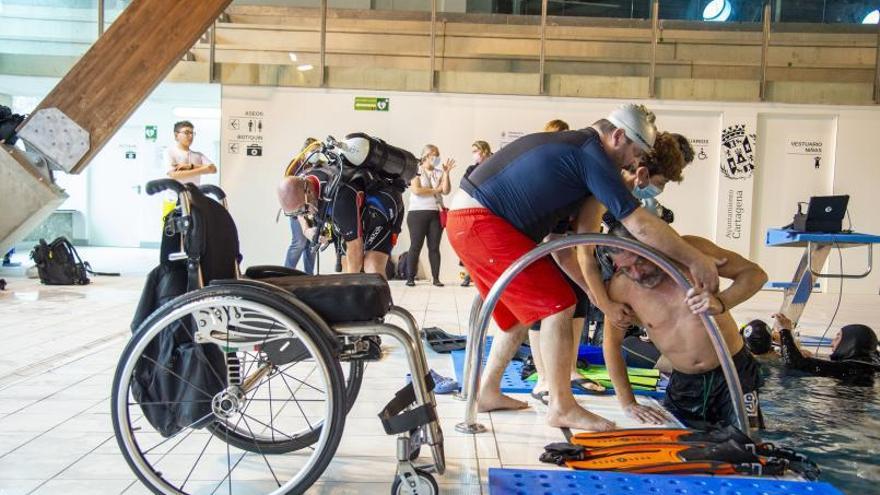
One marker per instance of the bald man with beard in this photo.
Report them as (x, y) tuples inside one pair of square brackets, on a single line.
[(367, 212)]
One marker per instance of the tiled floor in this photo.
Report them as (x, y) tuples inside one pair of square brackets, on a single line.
[(62, 344)]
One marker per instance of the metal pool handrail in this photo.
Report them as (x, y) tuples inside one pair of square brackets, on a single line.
[(478, 327)]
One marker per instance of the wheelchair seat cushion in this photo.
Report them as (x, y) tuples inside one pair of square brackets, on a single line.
[(340, 298)]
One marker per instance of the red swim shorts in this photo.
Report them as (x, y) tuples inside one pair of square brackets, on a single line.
[(487, 245)]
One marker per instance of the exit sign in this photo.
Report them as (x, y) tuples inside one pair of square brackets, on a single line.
[(371, 103)]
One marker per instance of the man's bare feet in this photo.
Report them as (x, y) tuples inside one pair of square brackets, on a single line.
[(487, 402), (578, 418)]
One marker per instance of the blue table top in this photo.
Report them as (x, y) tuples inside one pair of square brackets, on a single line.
[(785, 237)]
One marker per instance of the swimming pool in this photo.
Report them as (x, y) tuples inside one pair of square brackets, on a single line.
[(835, 424)]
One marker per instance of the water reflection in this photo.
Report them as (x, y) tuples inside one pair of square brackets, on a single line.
[(836, 423)]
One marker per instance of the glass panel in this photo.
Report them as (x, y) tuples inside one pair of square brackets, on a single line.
[(821, 11), (43, 37), (712, 10), (480, 40), (268, 42), (377, 48), (112, 10)]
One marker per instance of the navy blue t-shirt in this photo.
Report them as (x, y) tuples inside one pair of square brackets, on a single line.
[(540, 179)]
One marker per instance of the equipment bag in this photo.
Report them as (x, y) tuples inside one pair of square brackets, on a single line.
[(8, 122), (58, 263)]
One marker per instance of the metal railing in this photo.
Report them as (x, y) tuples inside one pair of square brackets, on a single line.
[(479, 326)]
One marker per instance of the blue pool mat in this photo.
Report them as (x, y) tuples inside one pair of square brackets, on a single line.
[(512, 383), (561, 482)]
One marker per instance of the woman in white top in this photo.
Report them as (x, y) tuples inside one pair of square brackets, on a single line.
[(423, 218), (184, 164)]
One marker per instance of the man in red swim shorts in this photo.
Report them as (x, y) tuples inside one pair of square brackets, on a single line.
[(513, 201)]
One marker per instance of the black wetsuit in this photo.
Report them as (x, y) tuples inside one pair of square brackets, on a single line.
[(792, 358), (363, 205), (703, 398)]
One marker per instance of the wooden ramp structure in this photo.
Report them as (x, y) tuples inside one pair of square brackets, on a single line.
[(92, 101)]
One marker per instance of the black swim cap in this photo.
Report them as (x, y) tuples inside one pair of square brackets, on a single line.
[(856, 342), (757, 337)]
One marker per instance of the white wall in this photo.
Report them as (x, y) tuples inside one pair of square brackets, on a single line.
[(453, 122)]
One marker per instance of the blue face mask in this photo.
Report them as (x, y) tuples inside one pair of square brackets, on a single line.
[(646, 192), (436, 161)]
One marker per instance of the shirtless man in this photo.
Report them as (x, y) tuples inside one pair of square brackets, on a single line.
[(697, 393)]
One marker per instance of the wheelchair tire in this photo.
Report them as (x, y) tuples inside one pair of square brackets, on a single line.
[(353, 382), (160, 477)]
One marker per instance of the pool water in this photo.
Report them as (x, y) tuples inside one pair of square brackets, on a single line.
[(835, 423)]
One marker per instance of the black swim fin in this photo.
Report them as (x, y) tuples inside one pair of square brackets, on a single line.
[(441, 342)]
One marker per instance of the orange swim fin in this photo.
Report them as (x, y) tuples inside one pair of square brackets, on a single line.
[(659, 435), (723, 458)]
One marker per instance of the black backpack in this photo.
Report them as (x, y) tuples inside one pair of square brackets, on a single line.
[(58, 263), (8, 122), (400, 271)]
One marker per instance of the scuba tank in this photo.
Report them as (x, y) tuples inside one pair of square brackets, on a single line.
[(364, 151)]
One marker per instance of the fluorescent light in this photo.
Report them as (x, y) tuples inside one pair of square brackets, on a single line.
[(873, 17), (717, 11), (305, 67), (196, 113), (292, 56)]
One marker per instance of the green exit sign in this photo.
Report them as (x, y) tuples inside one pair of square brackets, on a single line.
[(371, 103)]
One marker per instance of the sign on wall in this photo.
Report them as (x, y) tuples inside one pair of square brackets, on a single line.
[(371, 104), (508, 137), (810, 148), (151, 132), (700, 146), (736, 182), (245, 133)]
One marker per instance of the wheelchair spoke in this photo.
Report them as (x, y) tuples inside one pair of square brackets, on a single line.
[(300, 381), (293, 395), (261, 452), (188, 429), (243, 416), (167, 403), (198, 459), (271, 413), (176, 375)]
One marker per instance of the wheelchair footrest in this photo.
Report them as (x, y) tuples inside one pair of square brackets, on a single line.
[(396, 419)]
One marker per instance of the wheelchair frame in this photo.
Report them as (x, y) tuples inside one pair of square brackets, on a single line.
[(411, 415)]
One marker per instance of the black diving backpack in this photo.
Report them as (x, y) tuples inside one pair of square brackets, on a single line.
[(58, 263)]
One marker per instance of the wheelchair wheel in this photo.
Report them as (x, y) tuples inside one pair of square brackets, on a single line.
[(423, 483), (199, 403)]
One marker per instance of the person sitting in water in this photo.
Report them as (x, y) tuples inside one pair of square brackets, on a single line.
[(697, 392), (757, 337), (853, 351)]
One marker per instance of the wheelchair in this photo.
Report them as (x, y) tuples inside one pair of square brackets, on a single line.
[(235, 384)]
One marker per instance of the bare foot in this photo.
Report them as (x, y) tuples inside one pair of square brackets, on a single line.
[(578, 418), (498, 402)]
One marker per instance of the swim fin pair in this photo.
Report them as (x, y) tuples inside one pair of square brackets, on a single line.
[(677, 451)]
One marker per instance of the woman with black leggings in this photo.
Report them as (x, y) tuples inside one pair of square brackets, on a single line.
[(423, 218)]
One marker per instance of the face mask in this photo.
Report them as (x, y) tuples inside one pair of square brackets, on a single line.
[(646, 192), (436, 161), (478, 158)]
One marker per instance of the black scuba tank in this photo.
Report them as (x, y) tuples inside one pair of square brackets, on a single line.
[(365, 151)]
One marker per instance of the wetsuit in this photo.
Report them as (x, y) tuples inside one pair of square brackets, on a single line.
[(703, 398), (792, 358), (362, 206)]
